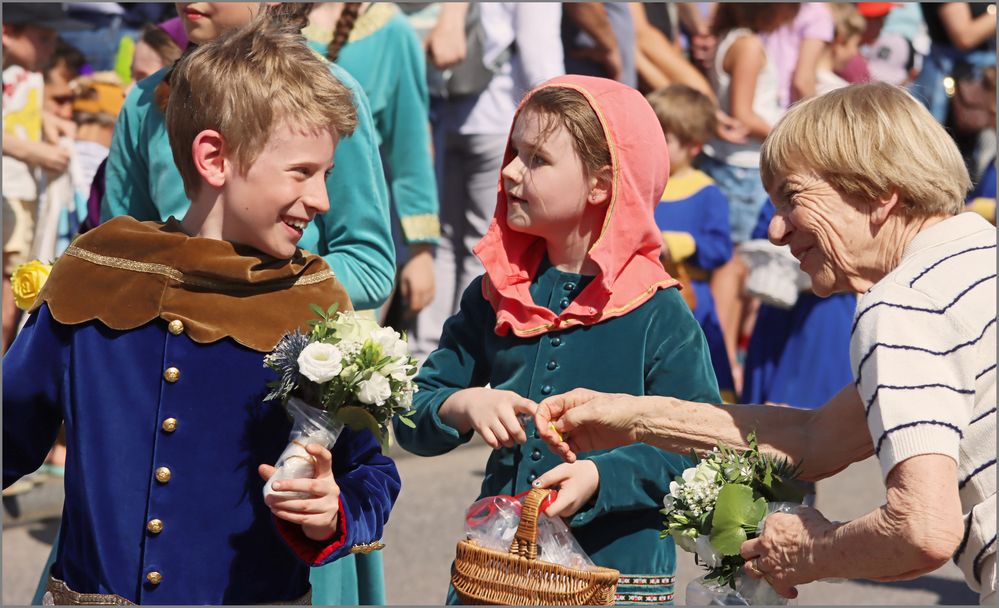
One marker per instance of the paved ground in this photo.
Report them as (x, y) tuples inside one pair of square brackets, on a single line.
[(427, 522)]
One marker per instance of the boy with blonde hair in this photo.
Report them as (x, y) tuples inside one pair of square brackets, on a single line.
[(253, 120), (693, 212), (849, 26)]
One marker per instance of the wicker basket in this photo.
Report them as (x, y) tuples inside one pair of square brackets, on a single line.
[(518, 578)]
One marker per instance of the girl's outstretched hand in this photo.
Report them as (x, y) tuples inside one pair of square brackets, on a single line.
[(317, 515), (492, 413)]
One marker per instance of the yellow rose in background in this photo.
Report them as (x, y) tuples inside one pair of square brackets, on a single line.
[(27, 281)]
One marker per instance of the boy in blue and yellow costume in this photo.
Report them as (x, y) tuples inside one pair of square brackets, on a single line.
[(693, 214), (574, 295), (148, 341)]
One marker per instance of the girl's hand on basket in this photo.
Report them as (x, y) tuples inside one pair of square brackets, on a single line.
[(317, 515), (490, 412), (576, 484)]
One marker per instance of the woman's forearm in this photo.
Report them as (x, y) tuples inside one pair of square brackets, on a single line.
[(914, 533), (822, 441)]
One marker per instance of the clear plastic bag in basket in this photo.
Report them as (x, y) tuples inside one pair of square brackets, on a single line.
[(492, 522)]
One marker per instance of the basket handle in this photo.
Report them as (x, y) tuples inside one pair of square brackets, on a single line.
[(525, 542)]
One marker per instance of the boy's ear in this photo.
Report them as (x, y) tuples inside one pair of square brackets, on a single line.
[(602, 182), (208, 154)]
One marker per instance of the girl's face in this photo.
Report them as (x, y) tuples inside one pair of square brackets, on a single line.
[(844, 51), (547, 186), (205, 21)]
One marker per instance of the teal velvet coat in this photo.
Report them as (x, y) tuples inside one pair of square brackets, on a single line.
[(656, 349)]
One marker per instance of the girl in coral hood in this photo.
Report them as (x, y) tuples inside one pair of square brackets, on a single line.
[(573, 296)]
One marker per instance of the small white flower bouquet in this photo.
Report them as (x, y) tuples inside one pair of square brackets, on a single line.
[(717, 505), (347, 371)]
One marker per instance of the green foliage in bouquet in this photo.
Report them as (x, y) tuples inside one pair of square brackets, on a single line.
[(349, 366), (718, 504)]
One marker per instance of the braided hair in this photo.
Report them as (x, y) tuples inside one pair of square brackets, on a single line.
[(344, 25)]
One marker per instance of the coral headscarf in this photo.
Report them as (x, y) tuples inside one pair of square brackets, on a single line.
[(627, 250)]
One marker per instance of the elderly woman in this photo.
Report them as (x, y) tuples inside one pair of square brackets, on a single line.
[(869, 191)]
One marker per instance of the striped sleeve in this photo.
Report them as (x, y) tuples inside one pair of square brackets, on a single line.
[(914, 363)]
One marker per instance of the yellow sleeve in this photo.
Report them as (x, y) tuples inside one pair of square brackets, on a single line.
[(680, 244)]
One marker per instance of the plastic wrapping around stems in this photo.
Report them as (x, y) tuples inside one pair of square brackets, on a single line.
[(309, 425), (748, 591)]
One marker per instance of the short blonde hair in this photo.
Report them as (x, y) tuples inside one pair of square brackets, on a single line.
[(246, 83), (847, 20), (684, 112), (870, 140)]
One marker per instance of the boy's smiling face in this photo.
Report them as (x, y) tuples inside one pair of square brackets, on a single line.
[(269, 205), (546, 182)]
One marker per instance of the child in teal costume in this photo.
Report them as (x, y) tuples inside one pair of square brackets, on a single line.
[(378, 47), (574, 295), (354, 237)]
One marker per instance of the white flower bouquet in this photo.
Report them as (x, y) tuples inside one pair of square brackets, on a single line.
[(347, 371), (717, 505)]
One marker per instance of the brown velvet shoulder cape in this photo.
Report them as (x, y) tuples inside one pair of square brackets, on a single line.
[(125, 273)]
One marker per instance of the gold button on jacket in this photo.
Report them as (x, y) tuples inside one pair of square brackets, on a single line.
[(172, 374), (163, 474), (170, 425), (176, 327), (155, 526), (154, 577)]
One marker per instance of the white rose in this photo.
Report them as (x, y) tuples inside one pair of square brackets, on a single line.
[(674, 488), (397, 370), (375, 390), (706, 552), (349, 326), (386, 338), (668, 503), (320, 362)]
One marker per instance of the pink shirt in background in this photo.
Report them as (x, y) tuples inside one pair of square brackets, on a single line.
[(782, 45)]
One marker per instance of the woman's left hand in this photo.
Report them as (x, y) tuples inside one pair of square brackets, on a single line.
[(317, 515), (577, 482), (783, 553)]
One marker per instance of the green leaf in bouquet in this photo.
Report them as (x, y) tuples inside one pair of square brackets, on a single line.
[(734, 509), (319, 312), (405, 419), (357, 418)]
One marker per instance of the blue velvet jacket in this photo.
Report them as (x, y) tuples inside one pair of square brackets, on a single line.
[(164, 504)]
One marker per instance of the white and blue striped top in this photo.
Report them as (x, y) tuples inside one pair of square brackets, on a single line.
[(923, 350)]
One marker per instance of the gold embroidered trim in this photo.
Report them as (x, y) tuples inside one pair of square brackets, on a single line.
[(372, 20), (176, 275), (367, 548), (421, 227)]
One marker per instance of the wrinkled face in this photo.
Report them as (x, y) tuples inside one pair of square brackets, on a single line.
[(205, 21), (844, 51), (828, 233), (270, 206), (546, 182), (145, 61), (58, 94), (31, 47)]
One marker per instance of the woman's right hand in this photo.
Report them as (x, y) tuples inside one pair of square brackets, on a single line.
[(583, 420), (491, 413)]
